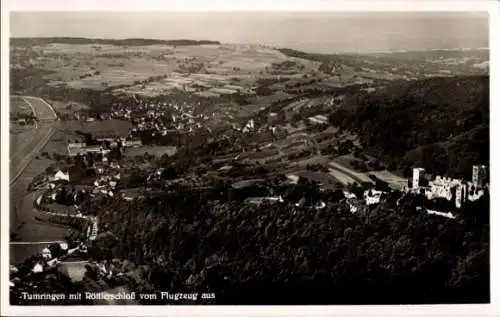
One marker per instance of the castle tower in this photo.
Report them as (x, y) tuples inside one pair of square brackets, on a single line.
[(479, 175), (461, 194), (418, 176)]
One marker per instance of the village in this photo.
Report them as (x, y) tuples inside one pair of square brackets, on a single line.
[(272, 143), (294, 151)]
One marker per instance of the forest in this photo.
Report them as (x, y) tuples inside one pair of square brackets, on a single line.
[(282, 254), (441, 124)]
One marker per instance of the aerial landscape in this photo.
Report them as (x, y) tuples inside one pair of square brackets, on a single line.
[(190, 170)]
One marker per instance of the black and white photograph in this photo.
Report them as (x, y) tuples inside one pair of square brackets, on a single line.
[(212, 158)]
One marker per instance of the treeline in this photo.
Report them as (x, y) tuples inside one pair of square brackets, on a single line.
[(21, 79), (34, 41), (441, 124)]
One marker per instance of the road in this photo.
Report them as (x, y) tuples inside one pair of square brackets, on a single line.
[(41, 109), (34, 140), (29, 232)]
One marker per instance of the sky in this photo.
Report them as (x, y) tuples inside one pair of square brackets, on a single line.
[(313, 32)]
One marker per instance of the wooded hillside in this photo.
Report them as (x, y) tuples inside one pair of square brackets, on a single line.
[(441, 124)]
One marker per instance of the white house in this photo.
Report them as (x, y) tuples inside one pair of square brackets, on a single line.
[(349, 195), (37, 268), (352, 207), (60, 175), (46, 254), (294, 179), (63, 245), (132, 143)]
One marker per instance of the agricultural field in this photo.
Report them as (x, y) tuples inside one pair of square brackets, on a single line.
[(118, 128), (344, 179), (208, 70), (347, 160), (18, 106), (395, 181), (359, 177), (326, 179), (156, 150), (317, 159), (67, 108)]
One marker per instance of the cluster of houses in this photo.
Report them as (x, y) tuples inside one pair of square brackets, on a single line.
[(161, 117), (370, 197), (105, 185), (103, 148), (107, 269), (48, 258), (266, 129)]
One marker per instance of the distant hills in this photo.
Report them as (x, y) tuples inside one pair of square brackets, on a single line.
[(33, 41), (457, 61)]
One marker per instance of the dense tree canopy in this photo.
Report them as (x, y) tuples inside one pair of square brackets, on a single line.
[(282, 254), (441, 124)]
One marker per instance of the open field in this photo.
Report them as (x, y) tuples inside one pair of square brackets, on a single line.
[(326, 179), (394, 180), (341, 177), (317, 159), (259, 155), (359, 177), (18, 129), (118, 128), (19, 106), (204, 69), (347, 160), (68, 108), (156, 150)]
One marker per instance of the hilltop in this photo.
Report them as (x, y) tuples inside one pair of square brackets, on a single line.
[(33, 41)]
